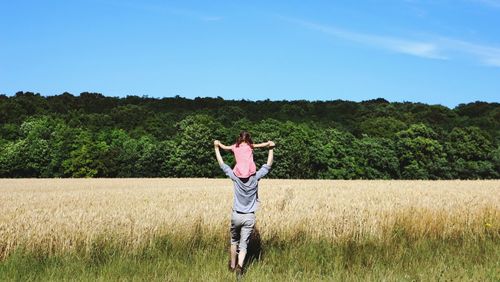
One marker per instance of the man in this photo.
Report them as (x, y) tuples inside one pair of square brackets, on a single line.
[(245, 203)]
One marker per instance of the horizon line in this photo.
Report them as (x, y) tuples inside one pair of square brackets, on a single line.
[(245, 100)]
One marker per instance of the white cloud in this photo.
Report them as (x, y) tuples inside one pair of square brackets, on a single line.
[(399, 45), (433, 48), (486, 55)]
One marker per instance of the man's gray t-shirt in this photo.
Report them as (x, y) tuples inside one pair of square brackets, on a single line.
[(246, 193)]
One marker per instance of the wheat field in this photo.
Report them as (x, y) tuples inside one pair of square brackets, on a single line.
[(56, 216)]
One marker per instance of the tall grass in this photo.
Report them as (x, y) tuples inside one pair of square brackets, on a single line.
[(171, 229), (179, 259)]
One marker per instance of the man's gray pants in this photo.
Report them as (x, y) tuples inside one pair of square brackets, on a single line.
[(241, 227)]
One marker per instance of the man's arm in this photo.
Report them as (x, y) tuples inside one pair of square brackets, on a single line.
[(270, 155), (265, 168), (217, 152), (261, 145), (227, 170)]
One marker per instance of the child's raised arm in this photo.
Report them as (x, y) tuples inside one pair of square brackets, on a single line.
[(270, 155), (227, 148), (261, 145)]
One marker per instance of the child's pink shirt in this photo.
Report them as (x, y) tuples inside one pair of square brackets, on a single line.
[(245, 165)]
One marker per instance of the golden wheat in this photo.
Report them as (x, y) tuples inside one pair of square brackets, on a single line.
[(60, 215)]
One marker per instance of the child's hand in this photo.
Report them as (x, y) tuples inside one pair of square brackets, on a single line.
[(216, 143), (271, 144)]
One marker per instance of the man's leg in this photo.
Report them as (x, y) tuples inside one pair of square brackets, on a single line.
[(246, 231), (235, 238), (241, 258), (233, 255)]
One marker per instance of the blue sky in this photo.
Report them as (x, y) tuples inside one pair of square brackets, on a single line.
[(436, 52)]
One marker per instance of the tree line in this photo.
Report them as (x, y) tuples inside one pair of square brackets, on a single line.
[(92, 135)]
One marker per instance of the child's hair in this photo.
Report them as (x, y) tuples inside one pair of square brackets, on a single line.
[(244, 137)]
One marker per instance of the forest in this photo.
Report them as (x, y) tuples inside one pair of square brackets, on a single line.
[(93, 135)]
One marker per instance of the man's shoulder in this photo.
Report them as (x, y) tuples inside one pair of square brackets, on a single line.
[(265, 167)]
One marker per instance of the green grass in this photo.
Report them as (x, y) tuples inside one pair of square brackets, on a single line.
[(204, 258)]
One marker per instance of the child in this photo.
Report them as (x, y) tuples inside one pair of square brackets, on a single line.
[(243, 154)]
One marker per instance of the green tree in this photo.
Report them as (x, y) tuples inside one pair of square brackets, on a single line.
[(10, 131), (11, 112), (420, 154), (126, 152), (336, 158), (376, 158), (28, 156), (294, 153), (151, 157), (495, 157), (469, 153), (165, 151), (194, 153), (385, 127), (86, 157), (31, 103), (95, 135), (61, 141), (128, 116)]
